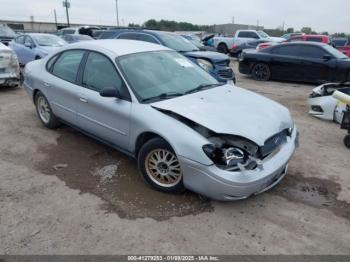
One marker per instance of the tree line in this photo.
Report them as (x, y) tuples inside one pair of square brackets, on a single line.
[(166, 25)]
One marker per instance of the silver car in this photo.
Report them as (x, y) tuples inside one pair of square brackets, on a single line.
[(186, 130)]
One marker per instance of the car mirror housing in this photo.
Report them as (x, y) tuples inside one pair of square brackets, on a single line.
[(28, 45), (327, 57), (110, 92)]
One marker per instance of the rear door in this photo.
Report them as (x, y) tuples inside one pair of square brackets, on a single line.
[(105, 117), (285, 62), (62, 84)]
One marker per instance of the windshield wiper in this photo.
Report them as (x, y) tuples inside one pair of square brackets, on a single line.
[(163, 96), (202, 87)]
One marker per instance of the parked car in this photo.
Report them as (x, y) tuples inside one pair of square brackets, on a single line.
[(342, 44), (323, 105), (198, 43), (312, 38), (81, 30), (236, 50), (9, 67), (290, 35), (298, 61), (29, 47), (185, 129), (218, 65), (223, 44), (6, 34), (76, 38)]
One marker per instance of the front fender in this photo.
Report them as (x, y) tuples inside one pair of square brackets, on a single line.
[(185, 141)]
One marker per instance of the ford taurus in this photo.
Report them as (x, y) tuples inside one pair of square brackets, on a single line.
[(185, 129)]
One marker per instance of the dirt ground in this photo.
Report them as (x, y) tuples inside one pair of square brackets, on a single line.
[(64, 193)]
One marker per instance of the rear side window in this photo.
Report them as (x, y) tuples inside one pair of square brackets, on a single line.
[(288, 50), (248, 35), (295, 39), (100, 73), (67, 65), (108, 35), (148, 38), (129, 36), (314, 39)]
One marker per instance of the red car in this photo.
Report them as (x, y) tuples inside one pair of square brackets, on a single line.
[(343, 45), (312, 38)]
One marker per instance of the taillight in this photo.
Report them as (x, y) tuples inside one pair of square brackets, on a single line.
[(234, 46)]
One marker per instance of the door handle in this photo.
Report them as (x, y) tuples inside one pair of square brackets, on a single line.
[(84, 100), (46, 84)]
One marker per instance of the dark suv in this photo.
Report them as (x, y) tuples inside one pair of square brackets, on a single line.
[(216, 64)]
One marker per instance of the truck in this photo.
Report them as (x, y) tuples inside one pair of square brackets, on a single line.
[(224, 44)]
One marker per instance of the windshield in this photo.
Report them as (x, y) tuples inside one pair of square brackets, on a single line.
[(262, 34), (177, 42), (152, 74), (335, 52), (48, 40), (6, 31)]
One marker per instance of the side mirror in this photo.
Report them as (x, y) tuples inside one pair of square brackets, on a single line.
[(110, 92), (29, 45), (327, 57)]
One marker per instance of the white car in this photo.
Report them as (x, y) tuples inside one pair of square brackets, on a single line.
[(9, 67), (324, 106)]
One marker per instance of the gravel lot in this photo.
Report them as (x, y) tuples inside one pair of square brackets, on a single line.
[(64, 193)]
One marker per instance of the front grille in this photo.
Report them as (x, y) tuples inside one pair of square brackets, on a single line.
[(273, 143), (226, 73)]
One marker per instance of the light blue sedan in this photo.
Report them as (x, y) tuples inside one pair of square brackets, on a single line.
[(29, 47)]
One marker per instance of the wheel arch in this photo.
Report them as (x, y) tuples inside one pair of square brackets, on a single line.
[(144, 137)]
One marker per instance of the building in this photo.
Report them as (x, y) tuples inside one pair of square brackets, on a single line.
[(39, 27), (230, 29)]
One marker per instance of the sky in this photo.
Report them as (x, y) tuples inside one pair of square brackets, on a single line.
[(322, 15)]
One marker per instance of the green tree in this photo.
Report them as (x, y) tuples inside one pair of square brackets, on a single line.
[(306, 30)]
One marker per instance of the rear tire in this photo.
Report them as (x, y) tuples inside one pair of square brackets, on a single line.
[(347, 141), (261, 72), (160, 166), (44, 111), (222, 48)]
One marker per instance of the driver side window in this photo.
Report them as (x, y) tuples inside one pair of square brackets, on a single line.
[(100, 73)]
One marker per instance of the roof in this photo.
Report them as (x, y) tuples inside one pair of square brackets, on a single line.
[(303, 43), (119, 47)]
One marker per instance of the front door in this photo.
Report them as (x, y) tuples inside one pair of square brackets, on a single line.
[(105, 117)]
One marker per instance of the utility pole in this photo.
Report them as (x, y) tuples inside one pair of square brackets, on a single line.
[(54, 11), (117, 12), (66, 4)]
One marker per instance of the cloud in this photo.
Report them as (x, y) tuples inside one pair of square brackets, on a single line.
[(321, 15)]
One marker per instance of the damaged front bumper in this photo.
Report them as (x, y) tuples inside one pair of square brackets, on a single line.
[(222, 185)]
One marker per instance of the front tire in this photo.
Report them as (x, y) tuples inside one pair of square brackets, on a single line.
[(160, 166), (44, 111), (261, 72), (222, 48)]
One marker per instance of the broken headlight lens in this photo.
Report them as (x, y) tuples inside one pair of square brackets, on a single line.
[(228, 157), (205, 64)]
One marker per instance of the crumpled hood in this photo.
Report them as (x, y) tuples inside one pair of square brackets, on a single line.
[(232, 110), (213, 56)]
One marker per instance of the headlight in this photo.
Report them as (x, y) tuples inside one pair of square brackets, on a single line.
[(205, 64), (229, 158)]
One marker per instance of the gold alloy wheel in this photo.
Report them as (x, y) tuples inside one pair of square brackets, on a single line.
[(163, 168)]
